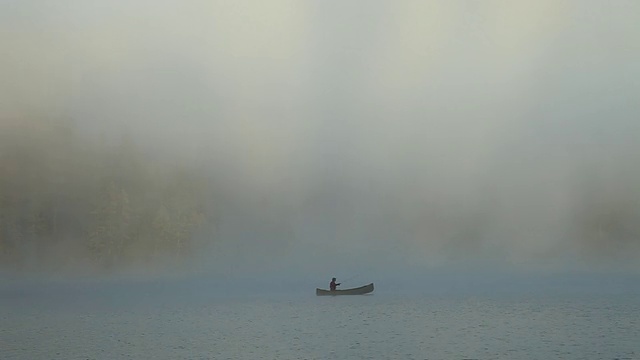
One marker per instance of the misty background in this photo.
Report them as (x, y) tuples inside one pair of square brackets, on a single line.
[(315, 138)]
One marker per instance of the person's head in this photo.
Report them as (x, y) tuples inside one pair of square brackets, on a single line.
[(333, 279)]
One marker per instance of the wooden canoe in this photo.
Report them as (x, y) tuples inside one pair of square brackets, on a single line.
[(355, 291)]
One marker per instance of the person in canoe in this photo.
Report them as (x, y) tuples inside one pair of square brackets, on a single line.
[(333, 285)]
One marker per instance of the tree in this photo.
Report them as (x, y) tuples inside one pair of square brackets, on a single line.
[(111, 230)]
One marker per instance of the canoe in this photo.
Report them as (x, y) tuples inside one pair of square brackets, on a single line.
[(355, 291)]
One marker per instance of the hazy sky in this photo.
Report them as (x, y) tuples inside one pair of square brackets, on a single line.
[(369, 133)]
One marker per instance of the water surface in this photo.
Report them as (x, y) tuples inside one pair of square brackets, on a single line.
[(155, 322)]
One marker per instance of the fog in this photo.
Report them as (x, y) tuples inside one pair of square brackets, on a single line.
[(356, 139)]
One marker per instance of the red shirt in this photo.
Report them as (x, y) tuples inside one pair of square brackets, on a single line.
[(332, 285)]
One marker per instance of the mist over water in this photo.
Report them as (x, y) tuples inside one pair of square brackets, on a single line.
[(305, 140)]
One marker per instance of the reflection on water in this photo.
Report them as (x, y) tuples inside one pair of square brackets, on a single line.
[(99, 326)]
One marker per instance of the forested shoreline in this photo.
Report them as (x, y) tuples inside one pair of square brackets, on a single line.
[(68, 200)]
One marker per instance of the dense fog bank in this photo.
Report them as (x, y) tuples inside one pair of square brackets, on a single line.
[(245, 138)]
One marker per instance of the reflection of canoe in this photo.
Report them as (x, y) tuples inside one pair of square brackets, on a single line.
[(355, 291)]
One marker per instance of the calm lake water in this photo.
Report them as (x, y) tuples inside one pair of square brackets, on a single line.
[(134, 323)]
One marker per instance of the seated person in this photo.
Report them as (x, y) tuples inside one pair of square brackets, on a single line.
[(333, 284)]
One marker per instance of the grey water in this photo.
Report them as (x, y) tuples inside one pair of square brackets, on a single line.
[(157, 321)]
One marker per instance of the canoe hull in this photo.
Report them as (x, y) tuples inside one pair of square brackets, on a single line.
[(355, 291)]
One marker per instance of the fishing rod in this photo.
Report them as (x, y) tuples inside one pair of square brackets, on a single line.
[(350, 278)]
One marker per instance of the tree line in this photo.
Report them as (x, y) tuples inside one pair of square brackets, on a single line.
[(66, 199)]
